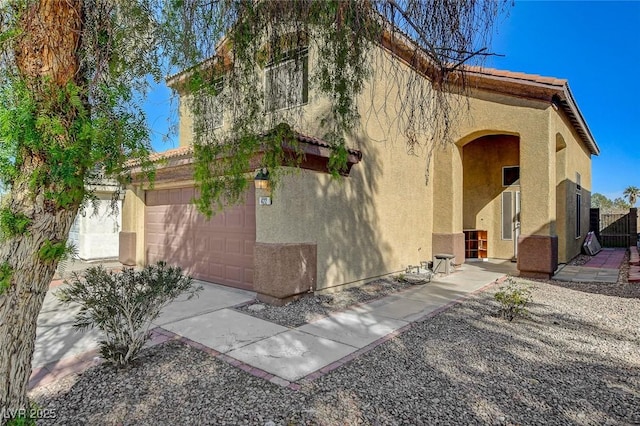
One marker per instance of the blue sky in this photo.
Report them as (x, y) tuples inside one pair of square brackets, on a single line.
[(594, 45)]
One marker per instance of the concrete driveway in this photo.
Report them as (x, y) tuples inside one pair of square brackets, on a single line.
[(60, 345)]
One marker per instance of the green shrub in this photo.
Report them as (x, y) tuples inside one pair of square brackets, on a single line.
[(513, 299), (52, 251), (123, 305), (5, 276), (400, 278), (12, 224)]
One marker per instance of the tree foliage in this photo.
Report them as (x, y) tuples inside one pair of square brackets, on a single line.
[(98, 113), (632, 193), (71, 80), (73, 75), (91, 120), (232, 42), (606, 205)]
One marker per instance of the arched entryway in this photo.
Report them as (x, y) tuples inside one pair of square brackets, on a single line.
[(491, 196)]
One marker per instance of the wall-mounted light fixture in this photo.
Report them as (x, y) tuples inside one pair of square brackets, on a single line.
[(261, 181)]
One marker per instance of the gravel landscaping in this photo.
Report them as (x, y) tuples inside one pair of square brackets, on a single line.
[(314, 307), (574, 360), (579, 260)]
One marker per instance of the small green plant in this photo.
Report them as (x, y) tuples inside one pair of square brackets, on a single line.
[(5, 276), (513, 299), (12, 224), (52, 251), (123, 305)]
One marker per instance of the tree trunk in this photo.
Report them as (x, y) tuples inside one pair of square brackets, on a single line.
[(46, 54), (20, 304)]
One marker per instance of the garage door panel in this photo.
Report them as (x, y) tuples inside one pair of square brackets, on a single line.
[(163, 197), (234, 246), (248, 275), (218, 250), (201, 242), (155, 254), (154, 238), (248, 248), (186, 197), (250, 216), (233, 219), (216, 220), (234, 273), (216, 244), (231, 258), (155, 218), (175, 196), (151, 198)]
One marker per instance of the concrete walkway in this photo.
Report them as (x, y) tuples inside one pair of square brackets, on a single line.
[(286, 356), (604, 267)]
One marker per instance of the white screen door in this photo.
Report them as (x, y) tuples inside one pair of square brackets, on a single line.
[(511, 218)]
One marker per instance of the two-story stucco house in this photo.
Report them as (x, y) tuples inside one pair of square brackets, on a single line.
[(515, 185)]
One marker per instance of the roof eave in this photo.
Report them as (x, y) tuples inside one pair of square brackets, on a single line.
[(575, 115), (314, 152), (542, 91)]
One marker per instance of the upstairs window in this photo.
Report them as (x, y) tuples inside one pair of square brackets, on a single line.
[(287, 81)]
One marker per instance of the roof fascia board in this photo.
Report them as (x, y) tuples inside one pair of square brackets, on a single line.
[(575, 114)]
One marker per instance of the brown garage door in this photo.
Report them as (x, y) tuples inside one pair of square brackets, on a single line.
[(219, 250)]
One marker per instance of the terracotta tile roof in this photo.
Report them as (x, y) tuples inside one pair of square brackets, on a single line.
[(555, 91), (524, 77), (186, 151), (549, 89), (171, 153), (319, 142)]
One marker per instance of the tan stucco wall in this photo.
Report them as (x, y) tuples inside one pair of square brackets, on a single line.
[(529, 120), (185, 125), (306, 119), (381, 218), (571, 157), (483, 160), (133, 219), (376, 221), (366, 225), (547, 173), (447, 196)]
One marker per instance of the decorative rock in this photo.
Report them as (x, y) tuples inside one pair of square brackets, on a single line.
[(463, 366), (257, 307)]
